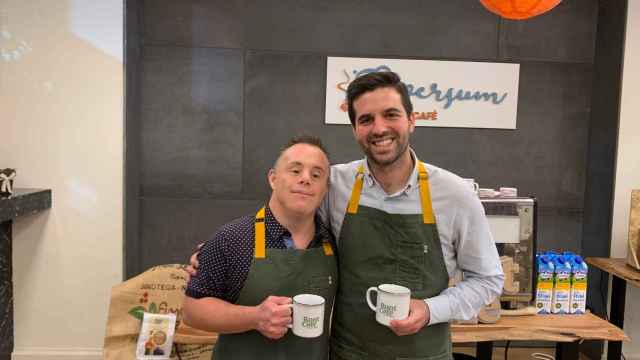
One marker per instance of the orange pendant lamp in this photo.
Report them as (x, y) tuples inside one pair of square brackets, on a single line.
[(519, 9)]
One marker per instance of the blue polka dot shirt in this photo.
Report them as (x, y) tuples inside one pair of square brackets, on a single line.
[(225, 259)]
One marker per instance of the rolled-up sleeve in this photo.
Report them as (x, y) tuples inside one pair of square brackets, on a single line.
[(478, 258)]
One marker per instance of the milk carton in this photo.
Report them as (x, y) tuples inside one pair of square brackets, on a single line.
[(560, 303), (544, 287), (579, 270), (551, 255)]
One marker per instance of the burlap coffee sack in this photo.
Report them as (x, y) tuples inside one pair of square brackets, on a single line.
[(157, 290)]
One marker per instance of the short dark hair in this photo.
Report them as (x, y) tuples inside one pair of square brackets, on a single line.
[(304, 139), (373, 81)]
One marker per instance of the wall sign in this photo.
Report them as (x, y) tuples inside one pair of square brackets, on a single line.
[(443, 93)]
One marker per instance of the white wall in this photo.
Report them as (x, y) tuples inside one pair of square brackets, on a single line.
[(61, 120), (628, 169)]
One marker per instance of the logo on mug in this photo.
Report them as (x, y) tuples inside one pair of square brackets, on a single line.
[(387, 309), (310, 322)]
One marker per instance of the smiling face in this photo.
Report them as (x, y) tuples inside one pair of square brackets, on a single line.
[(300, 179), (382, 126), (159, 337)]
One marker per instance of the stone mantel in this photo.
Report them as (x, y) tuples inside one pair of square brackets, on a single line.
[(22, 202)]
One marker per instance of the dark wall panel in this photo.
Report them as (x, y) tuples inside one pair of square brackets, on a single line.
[(390, 28), (566, 34), (545, 156), (433, 28), (133, 66), (603, 140), (281, 101), (172, 228), (560, 229), (201, 23), (191, 112)]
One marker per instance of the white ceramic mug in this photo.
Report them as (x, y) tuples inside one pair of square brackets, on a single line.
[(392, 302), (308, 315), (472, 184)]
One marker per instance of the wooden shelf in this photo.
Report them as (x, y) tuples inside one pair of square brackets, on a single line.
[(617, 267)]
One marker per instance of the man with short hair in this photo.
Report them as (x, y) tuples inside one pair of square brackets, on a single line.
[(401, 221), (251, 267)]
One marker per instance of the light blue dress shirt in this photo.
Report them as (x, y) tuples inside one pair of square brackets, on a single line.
[(465, 237)]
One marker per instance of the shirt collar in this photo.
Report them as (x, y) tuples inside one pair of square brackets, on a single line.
[(370, 180), (275, 230)]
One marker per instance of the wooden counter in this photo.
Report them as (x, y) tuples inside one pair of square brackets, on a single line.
[(562, 328), (567, 331)]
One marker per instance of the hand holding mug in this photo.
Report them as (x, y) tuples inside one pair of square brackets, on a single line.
[(419, 316), (273, 316)]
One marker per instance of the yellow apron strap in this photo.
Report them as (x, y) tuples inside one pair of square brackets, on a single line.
[(355, 192), (425, 195), (260, 235), (328, 251), (260, 238)]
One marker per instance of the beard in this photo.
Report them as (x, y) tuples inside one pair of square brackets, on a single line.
[(401, 145)]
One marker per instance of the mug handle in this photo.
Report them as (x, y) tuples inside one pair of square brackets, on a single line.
[(290, 326), (476, 187), (369, 290)]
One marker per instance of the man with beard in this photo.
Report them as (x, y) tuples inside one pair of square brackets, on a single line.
[(401, 221)]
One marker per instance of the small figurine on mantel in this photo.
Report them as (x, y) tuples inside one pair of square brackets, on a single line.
[(6, 181)]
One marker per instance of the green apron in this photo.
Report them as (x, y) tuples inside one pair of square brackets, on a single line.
[(374, 248), (283, 272)]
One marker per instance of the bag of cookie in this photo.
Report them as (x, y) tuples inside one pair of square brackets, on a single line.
[(156, 336)]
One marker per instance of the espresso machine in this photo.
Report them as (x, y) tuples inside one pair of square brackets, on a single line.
[(513, 223)]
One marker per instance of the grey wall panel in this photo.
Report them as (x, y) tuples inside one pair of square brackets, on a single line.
[(432, 28), (133, 59), (341, 143), (377, 27), (560, 230), (544, 157), (603, 139), (171, 228), (216, 23), (191, 132), (565, 34), (284, 96)]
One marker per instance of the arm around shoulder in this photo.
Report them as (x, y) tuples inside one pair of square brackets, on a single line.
[(213, 314)]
